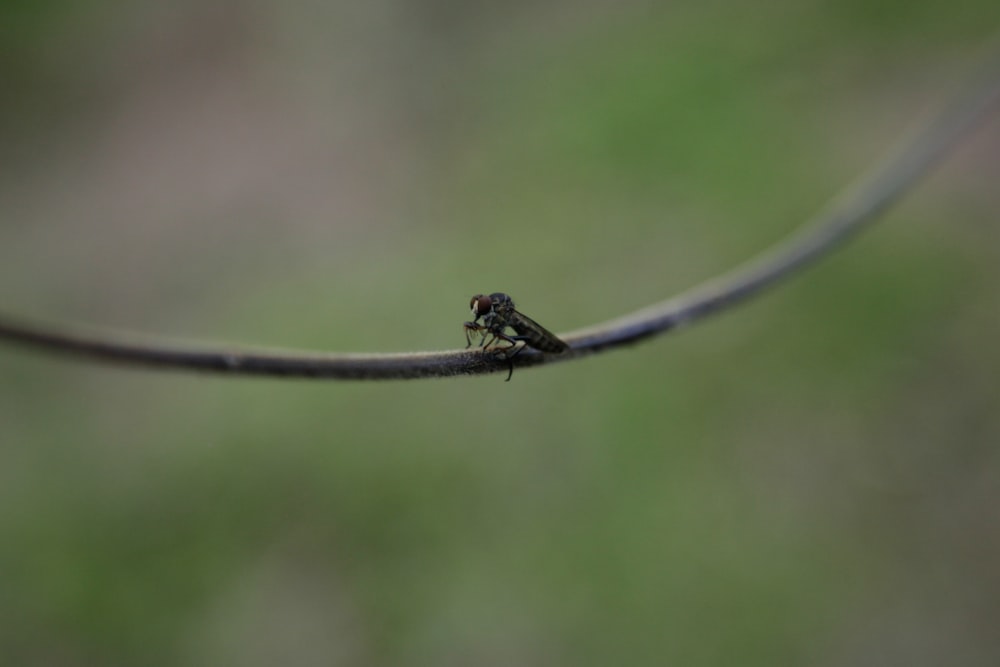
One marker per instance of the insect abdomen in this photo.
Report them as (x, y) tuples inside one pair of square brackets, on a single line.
[(537, 336), (544, 344)]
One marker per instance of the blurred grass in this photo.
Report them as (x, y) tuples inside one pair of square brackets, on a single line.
[(805, 480)]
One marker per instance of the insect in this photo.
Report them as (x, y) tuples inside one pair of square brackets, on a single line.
[(498, 313)]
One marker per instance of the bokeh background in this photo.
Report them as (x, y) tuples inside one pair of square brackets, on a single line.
[(811, 479)]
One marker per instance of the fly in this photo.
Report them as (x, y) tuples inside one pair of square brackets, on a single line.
[(498, 313)]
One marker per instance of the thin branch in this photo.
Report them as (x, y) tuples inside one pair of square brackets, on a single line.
[(855, 209)]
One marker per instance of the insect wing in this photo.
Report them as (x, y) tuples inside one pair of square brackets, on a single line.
[(534, 334)]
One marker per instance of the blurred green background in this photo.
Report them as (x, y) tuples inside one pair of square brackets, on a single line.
[(811, 479)]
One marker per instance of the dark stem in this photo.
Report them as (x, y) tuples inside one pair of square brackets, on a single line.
[(858, 207)]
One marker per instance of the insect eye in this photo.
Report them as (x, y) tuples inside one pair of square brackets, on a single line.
[(480, 305)]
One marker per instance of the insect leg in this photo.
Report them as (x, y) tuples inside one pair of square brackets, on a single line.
[(473, 327), (510, 352)]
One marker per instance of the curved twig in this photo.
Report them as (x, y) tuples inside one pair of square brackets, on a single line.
[(854, 209)]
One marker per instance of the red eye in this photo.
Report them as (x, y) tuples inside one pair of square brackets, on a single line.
[(480, 305)]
